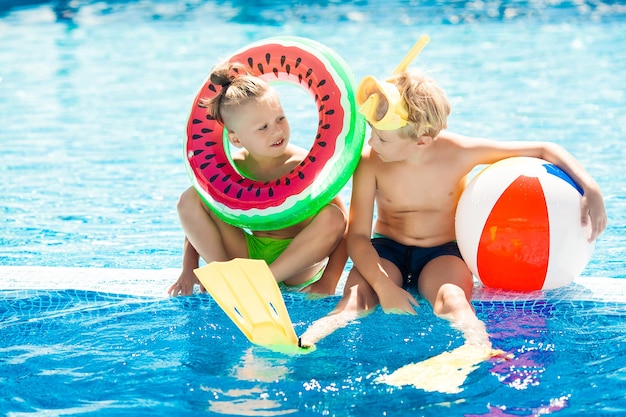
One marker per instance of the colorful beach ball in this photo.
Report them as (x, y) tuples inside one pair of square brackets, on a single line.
[(518, 226)]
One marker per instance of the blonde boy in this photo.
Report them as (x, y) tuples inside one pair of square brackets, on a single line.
[(415, 171)]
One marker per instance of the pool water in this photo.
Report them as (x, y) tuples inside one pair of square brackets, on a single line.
[(81, 352), (94, 97)]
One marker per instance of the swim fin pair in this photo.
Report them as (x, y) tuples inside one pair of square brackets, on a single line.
[(248, 293)]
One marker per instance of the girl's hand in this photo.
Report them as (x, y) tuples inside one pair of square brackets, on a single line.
[(184, 284)]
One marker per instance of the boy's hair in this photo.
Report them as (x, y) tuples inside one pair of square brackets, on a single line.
[(238, 86), (426, 102)]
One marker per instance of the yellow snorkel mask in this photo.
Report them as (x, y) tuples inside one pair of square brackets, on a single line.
[(370, 90)]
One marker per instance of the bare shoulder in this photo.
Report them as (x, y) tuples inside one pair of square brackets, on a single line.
[(367, 155), (460, 141), (294, 155), (367, 162), (481, 143), (239, 155), (297, 152)]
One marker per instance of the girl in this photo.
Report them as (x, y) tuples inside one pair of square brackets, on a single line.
[(309, 256)]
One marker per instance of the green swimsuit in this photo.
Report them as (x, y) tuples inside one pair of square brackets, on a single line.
[(269, 249)]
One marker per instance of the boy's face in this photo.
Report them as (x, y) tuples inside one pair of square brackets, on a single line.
[(390, 146), (260, 126)]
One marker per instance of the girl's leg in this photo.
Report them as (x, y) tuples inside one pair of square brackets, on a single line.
[(205, 236), (213, 239), (304, 256)]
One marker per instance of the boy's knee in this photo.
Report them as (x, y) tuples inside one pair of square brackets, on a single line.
[(451, 299)]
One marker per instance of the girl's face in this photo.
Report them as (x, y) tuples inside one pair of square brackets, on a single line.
[(389, 146), (260, 126)]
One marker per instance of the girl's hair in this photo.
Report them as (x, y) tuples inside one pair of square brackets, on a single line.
[(426, 102), (238, 86)]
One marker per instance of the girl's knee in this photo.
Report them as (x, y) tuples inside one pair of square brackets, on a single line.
[(333, 220), (191, 208), (187, 198)]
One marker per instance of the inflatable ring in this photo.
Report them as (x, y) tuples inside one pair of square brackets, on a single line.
[(331, 161)]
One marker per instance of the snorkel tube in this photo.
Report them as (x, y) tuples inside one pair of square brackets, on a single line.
[(371, 91)]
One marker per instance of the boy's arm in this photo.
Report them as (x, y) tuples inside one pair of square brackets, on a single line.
[(477, 151), (365, 258), (360, 249), (592, 205)]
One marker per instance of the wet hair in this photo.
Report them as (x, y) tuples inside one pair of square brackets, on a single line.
[(238, 86), (426, 102)]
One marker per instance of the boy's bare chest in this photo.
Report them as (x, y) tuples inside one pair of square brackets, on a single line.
[(418, 191)]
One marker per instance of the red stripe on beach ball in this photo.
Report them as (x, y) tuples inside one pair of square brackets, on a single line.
[(514, 247)]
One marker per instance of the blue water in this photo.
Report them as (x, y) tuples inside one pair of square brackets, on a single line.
[(103, 354), (94, 97)]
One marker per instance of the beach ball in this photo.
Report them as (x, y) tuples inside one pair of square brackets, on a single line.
[(518, 226)]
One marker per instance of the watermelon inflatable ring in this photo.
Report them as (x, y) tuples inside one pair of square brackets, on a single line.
[(333, 157)]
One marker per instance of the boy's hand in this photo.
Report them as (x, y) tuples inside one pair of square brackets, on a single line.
[(592, 207), (394, 299)]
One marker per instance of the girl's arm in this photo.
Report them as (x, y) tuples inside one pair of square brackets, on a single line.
[(187, 279)]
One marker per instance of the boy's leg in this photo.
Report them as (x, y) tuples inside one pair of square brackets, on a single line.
[(359, 299), (446, 282)]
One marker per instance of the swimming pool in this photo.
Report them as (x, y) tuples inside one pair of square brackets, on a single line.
[(94, 97)]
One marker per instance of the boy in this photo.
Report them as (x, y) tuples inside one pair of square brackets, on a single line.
[(415, 172)]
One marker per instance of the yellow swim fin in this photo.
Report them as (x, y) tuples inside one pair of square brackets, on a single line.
[(248, 293), (445, 372)]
